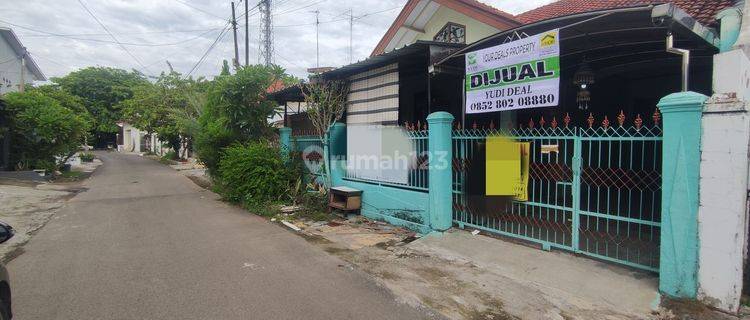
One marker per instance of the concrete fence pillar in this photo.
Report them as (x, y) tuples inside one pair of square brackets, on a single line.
[(722, 216), (285, 142), (440, 170), (678, 268), (335, 152)]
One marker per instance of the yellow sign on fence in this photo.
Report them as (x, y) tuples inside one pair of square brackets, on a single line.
[(507, 168)]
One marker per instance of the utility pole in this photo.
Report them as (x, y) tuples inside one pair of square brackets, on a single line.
[(266, 32), (236, 49), (247, 35), (22, 86), (351, 28), (317, 38)]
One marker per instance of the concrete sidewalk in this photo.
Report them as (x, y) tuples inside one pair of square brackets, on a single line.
[(466, 276), (566, 282)]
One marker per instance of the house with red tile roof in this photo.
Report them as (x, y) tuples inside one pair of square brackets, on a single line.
[(426, 19), (704, 11)]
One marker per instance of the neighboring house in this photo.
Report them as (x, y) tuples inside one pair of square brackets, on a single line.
[(132, 139), (454, 21), (16, 63)]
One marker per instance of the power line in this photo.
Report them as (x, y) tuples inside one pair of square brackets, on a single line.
[(9, 60), (113, 36), (118, 34), (299, 8), (52, 34), (199, 9), (288, 61), (211, 47)]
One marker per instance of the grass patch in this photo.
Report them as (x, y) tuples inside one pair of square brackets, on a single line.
[(87, 157), (70, 176)]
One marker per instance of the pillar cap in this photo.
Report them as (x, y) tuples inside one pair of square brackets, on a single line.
[(682, 102), (285, 129), (338, 124), (440, 117), (731, 11)]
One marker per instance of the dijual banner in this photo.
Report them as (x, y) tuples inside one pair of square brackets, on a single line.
[(517, 75)]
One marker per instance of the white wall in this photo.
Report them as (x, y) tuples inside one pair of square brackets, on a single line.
[(11, 70), (131, 141), (722, 215)]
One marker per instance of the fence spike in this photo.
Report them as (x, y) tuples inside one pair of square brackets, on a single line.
[(554, 123), (566, 120), (419, 124), (638, 122), (492, 124), (474, 125), (531, 123), (621, 118), (605, 123), (424, 126), (458, 126), (542, 122), (590, 120), (656, 117)]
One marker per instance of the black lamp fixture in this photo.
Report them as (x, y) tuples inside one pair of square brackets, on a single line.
[(583, 78)]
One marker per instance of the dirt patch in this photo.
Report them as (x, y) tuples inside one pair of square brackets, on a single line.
[(679, 309), (454, 288), (27, 209), (28, 206)]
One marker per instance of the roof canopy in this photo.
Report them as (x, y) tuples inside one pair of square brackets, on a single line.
[(612, 38), (425, 51)]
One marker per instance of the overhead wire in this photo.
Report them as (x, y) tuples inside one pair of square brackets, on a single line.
[(211, 47), (138, 61), (118, 34), (52, 34), (199, 9)]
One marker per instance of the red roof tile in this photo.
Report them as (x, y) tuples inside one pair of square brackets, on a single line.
[(702, 10), (275, 86)]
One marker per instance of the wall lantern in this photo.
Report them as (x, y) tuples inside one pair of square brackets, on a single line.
[(583, 78)]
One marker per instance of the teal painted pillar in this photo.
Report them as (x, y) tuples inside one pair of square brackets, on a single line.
[(440, 175), (285, 141), (730, 20), (678, 268), (336, 152)]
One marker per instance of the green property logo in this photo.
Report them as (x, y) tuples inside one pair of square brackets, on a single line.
[(472, 58)]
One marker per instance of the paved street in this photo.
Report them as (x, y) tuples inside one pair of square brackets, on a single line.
[(146, 243)]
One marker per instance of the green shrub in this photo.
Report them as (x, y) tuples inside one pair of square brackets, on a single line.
[(267, 209), (87, 157), (236, 110), (170, 155), (252, 174), (45, 133)]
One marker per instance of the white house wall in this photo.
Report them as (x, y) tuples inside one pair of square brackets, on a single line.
[(373, 97), (10, 69)]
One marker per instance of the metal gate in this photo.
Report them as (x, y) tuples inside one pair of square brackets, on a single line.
[(594, 190)]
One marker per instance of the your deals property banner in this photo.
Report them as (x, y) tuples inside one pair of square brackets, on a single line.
[(517, 75)]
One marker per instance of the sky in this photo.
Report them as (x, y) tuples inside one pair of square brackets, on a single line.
[(63, 36)]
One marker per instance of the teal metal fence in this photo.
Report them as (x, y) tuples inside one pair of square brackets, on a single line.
[(594, 190), (418, 171), (309, 149)]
